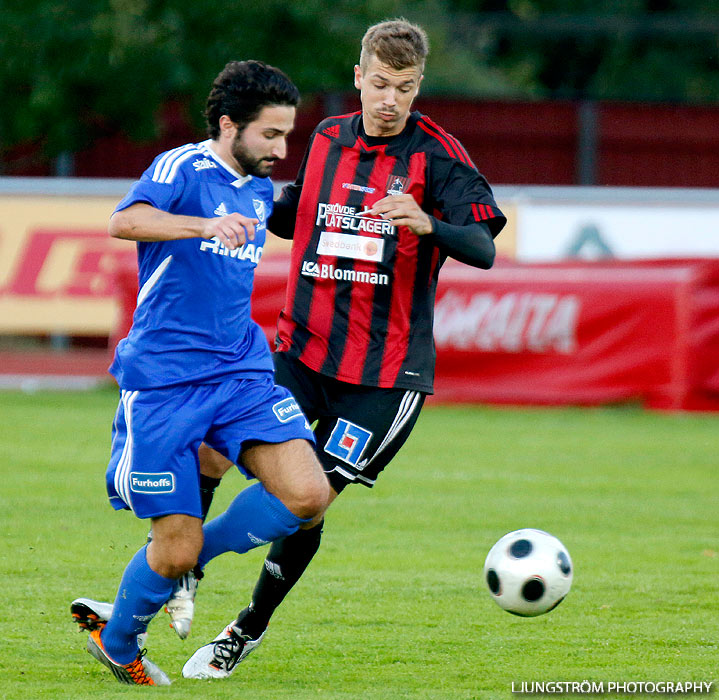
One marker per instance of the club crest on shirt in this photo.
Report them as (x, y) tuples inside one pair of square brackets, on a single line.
[(396, 184), (260, 210)]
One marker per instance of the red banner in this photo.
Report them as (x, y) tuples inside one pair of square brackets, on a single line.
[(580, 334)]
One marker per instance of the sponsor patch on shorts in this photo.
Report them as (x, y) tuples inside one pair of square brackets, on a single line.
[(142, 482), (287, 409), (347, 441)]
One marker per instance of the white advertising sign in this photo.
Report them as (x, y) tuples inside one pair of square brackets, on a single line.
[(556, 231)]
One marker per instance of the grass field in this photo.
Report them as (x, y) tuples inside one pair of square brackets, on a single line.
[(394, 605)]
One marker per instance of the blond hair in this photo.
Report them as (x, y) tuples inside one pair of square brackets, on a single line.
[(396, 43)]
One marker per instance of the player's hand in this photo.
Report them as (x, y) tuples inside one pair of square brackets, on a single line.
[(233, 230), (403, 210)]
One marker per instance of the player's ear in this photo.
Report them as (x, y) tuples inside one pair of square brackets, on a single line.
[(358, 77), (226, 124)]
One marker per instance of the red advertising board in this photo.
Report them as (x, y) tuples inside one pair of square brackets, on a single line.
[(580, 334)]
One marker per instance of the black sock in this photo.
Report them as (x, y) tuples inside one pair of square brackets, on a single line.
[(208, 484), (285, 563)]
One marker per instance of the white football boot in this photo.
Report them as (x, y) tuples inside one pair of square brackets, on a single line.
[(220, 657), (90, 614), (181, 604)]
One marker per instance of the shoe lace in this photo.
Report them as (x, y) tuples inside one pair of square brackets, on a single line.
[(228, 651), (137, 670)]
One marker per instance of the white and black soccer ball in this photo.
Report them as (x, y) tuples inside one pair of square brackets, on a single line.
[(528, 572)]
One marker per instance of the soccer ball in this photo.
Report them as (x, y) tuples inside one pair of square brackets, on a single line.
[(528, 572)]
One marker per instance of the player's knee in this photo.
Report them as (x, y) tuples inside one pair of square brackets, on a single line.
[(174, 550), (180, 563), (317, 497), (310, 498), (174, 562)]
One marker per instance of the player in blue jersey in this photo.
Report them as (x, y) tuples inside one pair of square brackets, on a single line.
[(356, 350), (195, 367)]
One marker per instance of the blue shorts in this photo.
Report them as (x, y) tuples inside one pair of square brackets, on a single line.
[(154, 469)]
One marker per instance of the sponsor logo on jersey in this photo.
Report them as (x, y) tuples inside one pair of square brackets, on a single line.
[(347, 245), (358, 188), (249, 251), (332, 131), (142, 482), (396, 184), (348, 219), (221, 210), (330, 272), (260, 210), (347, 441), (287, 409), (203, 164)]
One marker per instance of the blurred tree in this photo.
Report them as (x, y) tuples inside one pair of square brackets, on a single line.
[(71, 70), (658, 50), (75, 69)]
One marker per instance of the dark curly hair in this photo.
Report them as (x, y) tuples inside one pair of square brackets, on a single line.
[(242, 89)]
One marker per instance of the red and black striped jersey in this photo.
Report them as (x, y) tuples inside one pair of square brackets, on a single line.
[(360, 295)]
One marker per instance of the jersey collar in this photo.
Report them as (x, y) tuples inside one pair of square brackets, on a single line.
[(238, 179), (388, 144)]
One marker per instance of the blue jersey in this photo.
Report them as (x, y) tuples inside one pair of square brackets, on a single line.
[(192, 323)]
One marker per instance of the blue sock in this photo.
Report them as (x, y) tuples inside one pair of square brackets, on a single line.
[(254, 518), (141, 594)]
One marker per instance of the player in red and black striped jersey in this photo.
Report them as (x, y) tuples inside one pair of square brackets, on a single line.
[(382, 198), (360, 298)]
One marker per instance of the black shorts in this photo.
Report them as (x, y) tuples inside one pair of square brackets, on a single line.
[(359, 428)]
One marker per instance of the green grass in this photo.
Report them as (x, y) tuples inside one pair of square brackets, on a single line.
[(394, 605)]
